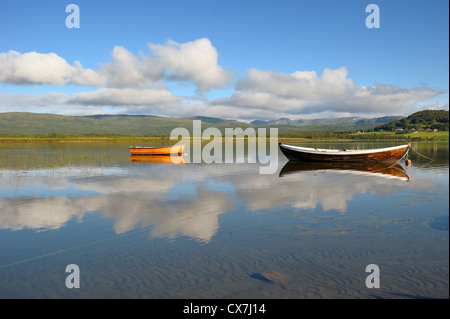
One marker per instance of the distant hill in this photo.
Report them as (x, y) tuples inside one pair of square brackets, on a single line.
[(37, 123), (328, 121), (422, 120)]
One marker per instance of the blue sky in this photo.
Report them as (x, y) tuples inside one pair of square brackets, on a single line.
[(242, 59)]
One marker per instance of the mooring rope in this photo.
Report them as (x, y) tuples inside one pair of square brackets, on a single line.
[(74, 247), (420, 154)]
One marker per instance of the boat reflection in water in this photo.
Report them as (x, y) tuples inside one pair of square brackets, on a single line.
[(395, 171), (161, 150), (158, 159)]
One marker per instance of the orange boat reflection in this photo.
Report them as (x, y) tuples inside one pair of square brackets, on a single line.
[(377, 169), (158, 159), (164, 150)]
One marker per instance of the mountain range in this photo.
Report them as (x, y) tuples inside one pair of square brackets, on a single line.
[(327, 121)]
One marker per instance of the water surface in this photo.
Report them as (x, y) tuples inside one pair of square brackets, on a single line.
[(149, 229)]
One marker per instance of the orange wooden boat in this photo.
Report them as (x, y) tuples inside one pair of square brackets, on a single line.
[(164, 150)]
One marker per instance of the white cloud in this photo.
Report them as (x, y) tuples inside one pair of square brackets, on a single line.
[(123, 97), (17, 100), (139, 84), (43, 68), (303, 92), (132, 101), (194, 62), (87, 76), (34, 68), (124, 70), (303, 85)]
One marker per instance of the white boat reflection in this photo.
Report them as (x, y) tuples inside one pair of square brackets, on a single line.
[(395, 171)]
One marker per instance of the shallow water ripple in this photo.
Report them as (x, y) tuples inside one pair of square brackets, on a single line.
[(157, 230)]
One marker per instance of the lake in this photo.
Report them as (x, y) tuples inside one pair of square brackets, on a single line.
[(150, 229)]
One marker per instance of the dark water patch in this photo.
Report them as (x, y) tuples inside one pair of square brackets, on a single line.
[(440, 223)]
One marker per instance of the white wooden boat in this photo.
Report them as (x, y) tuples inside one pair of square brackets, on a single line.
[(387, 154)]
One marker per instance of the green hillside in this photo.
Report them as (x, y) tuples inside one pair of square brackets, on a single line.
[(420, 121), (144, 125), (32, 123)]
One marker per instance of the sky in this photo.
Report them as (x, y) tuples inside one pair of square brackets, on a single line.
[(234, 59)]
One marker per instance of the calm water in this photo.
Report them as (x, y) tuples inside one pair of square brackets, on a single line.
[(158, 230)]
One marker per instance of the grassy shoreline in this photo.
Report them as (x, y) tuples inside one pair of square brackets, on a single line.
[(282, 137)]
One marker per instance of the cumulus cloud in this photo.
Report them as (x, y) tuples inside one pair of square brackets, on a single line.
[(88, 77), (43, 68), (383, 98), (17, 100), (303, 92), (194, 62), (125, 70), (304, 85), (140, 84), (126, 96)]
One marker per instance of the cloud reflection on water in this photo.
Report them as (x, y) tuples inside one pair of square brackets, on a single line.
[(176, 201)]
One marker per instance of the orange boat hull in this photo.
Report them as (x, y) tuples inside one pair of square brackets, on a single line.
[(166, 150)]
